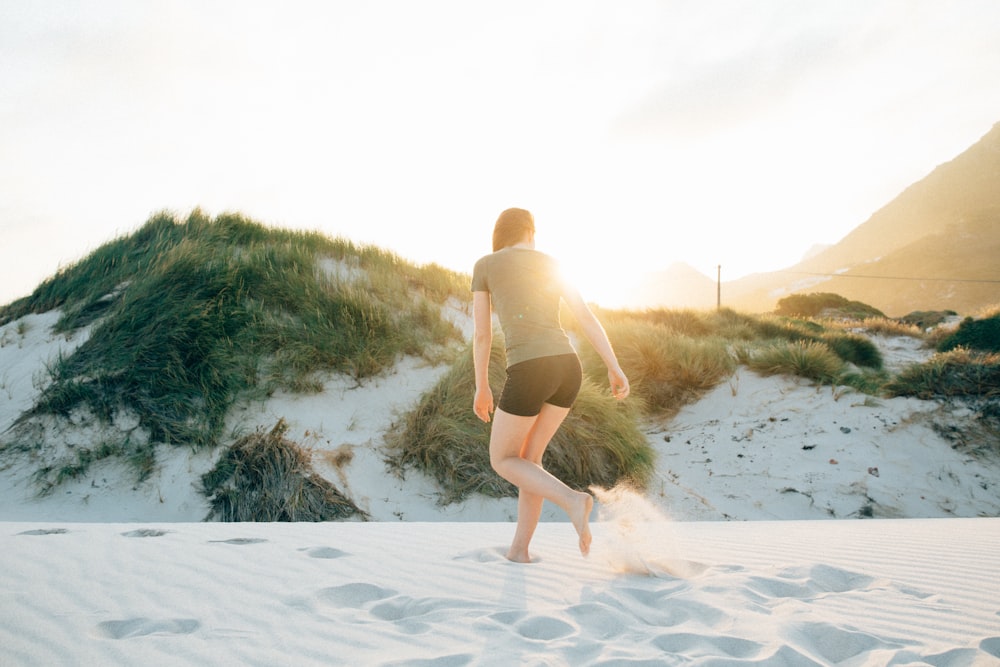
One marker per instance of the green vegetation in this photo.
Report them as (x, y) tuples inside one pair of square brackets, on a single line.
[(957, 373), (599, 443), (975, 334), (666, 369), (264, 477), (696, 350), (811, 360), (189, 316), (184, 318), (825, 304)]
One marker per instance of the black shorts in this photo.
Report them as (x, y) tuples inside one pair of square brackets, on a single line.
[(531, 383)]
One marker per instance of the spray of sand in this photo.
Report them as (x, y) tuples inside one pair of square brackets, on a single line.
[(640, 537)]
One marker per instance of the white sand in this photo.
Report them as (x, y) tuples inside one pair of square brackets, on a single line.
[(793, 593), (107, 572)]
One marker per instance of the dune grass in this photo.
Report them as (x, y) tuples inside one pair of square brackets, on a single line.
[(667, 370), (880, 326), (969, 376), (959, 372), (677, 355), (265, 477), (598, 444), (811, 360), (188, 316)]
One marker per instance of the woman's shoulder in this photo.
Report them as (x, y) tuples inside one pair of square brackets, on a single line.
[(516, 256)]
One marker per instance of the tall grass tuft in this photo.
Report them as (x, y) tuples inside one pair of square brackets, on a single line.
[(599, 443), (853, 348), (957, 373), (887, 327), (265, 477), (805, 359), (666, 370)]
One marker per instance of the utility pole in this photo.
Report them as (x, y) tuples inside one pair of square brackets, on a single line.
[(718, 287)]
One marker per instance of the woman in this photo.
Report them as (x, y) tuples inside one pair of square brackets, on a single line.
[(543, 371)]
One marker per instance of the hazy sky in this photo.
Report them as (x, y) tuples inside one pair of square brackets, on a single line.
[(714, 132)]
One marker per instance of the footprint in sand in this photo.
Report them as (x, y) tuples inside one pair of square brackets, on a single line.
[(145, 532), (454, 660), (240, 540), (690, 644), (354, 595), (140, 627), (808, 583), (402, 607), (45, 531), (836, 644), (659, 607), (600, 621), (324, 552), (991, 646), (494, 555), (544, 628)]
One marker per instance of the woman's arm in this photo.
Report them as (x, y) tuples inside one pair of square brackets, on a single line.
[(482, 343), (598, 337)]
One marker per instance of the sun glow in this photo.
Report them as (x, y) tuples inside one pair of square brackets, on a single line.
[(597, 279)]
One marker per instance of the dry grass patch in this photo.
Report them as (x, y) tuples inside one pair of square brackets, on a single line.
[(266, 477)]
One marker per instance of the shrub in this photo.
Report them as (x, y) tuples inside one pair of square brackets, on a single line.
[(264, 477), (824, 304), (982, 334), (854, 348)]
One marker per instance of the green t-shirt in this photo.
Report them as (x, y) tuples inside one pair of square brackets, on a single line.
[(525, 287)]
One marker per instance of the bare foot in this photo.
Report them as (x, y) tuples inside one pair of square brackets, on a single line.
[(518, 556), (580, 516)]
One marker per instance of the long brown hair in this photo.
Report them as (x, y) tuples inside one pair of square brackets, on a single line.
[(511, 227)]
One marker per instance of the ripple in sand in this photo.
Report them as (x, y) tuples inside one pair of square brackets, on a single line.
[(145, 532)]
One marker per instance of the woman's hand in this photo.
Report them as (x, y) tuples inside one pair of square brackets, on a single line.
[(482, 405), (619, 383)]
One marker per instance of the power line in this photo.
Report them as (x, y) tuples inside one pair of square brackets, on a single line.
[(855, 275)]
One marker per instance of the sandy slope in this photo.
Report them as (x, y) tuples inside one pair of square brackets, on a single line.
[(753, 448)]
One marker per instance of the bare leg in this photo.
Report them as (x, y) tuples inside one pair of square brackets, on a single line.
[(529, 511), (515, 443), (529, 505)]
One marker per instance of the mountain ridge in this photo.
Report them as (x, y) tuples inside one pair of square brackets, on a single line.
[(933, 246)]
